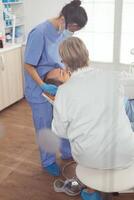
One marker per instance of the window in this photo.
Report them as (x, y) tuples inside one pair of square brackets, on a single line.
[(99, 32), (109, 34), (127, 38)]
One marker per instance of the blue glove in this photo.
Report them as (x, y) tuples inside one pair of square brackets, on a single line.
[(49, 88)]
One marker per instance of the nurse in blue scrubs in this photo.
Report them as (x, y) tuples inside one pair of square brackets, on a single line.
[(42, 56)]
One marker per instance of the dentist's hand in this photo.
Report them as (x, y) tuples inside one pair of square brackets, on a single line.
[(49, 88)]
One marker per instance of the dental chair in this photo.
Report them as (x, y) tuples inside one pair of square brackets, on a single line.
[(109, 182)]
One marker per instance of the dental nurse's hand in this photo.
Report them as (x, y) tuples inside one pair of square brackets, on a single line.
[(49, 88)]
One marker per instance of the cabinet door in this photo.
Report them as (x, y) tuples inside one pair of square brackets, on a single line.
[(4, 90), (14, 76), (11, 83)]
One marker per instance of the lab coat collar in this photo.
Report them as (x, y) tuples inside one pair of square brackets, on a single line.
[(82, 70)]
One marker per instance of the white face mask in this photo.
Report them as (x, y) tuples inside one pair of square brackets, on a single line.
[(67, 33)]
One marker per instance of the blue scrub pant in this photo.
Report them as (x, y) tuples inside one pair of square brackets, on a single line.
[(129, 106), (42, 118)]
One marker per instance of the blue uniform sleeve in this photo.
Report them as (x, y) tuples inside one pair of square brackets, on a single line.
[(34, 47)]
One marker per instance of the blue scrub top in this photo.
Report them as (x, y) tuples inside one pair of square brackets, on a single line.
[(42, 51)]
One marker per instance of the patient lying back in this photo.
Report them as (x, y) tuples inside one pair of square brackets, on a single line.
[(56, 77)]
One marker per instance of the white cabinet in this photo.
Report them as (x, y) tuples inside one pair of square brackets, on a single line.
[(11, 82)]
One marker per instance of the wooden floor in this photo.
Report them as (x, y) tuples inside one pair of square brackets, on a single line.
[(21, 176)]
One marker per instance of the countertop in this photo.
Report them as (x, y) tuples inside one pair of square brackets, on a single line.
[(9, 47)]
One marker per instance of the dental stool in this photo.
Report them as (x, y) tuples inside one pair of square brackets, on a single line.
[(107, 181)]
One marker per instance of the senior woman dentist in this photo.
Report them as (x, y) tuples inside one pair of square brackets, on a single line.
[(99, 132), (41, 56)]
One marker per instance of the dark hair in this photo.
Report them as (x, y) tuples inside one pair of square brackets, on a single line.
[(74, 13), (53, 81)]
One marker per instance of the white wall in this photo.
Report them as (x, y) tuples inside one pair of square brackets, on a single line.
[(36, 11)]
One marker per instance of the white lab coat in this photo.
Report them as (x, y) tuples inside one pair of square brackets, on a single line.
[(89, 111)]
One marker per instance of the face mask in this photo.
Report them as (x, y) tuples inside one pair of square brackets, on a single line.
[(67, 33)]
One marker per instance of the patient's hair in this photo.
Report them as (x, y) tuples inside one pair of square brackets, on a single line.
[(74, 53), (53, 81)]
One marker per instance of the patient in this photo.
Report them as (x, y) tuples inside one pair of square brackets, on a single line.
[(89, 111), (57, 77)]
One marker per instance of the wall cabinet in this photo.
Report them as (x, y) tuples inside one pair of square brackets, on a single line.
[(11, 81), (12, 19)]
